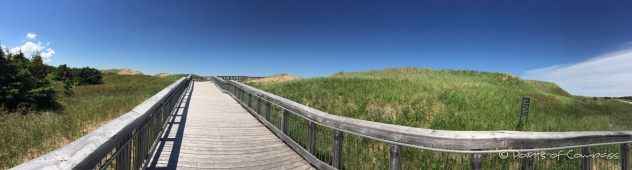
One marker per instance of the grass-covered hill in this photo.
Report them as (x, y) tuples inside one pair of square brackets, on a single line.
[(274, 79), (163, 74), (453, 100), (124, 71)]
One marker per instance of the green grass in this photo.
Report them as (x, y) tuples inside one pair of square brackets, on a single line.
[(25, 137), (175, 77), (110, 71), (442, 99), (453, 100)]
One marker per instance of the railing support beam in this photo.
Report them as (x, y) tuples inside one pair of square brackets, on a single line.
[(587, 161), (311, 137), (258, 105), (267, 111), (338, 148), (475, 161), (249, 99), (527, 161), (625, 156), (284, 121), (123, 160), (395, 157)]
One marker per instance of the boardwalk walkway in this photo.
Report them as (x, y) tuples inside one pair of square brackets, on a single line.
[(212, 131)]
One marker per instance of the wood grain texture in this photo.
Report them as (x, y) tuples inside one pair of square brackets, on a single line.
[(213, 131), (445, 138)]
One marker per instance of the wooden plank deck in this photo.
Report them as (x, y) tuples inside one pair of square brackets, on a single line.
[(212, 131)]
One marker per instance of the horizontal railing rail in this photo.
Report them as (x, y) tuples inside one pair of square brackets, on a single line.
[(239, 78), (123, 143), (335, 142)]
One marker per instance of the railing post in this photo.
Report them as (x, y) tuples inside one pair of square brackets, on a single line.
[(527, 161), (258, 105), (395, 157), (284, 121), (137, 146), (311, 137), (338, 148), (475, 161), (250, 100), (625, 156), (267, 111), (587, 161), (123, 158), (241, 95)]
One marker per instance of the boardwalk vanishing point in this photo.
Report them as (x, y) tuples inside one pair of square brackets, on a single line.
[(212, 131), (214, 125)]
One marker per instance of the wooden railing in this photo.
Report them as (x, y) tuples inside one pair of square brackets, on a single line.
[(123, 143), (238, 78), (334, 142)]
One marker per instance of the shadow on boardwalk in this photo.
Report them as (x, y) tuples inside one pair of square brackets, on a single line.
[(176, 123), (220, 134)]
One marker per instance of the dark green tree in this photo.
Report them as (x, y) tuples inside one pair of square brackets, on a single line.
[(24, 83), (42, 93), (90, 76), (62, 73)]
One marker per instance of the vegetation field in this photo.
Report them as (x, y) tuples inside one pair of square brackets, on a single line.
[(447, 100), (124, 71), (274, 79), (27, 136), (453, 100)]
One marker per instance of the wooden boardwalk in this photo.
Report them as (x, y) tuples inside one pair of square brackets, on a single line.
[(212, 131)]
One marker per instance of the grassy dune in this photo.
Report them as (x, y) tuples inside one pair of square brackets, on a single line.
[(25, 137), (453, 100), (274, 79), (447, 100)]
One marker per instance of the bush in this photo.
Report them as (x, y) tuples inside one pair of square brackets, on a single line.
[(23, 83), (76, 76)]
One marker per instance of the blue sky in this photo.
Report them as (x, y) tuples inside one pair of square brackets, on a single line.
[(583, 46)]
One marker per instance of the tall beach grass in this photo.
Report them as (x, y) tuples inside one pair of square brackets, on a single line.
[(25, 137), (453, 100)]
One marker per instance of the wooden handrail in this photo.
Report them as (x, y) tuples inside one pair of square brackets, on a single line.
[(445, 138), (87, 151), (463, 142)]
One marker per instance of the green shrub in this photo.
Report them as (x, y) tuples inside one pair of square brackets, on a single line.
[(23, 83)]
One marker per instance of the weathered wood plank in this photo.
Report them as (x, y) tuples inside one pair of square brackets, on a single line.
[(300, 150), (214, 131)]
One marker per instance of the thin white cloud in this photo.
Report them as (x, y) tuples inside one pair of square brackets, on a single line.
[(30, 48), (30, 35), (2, 47), (47, 55), (607, 75)]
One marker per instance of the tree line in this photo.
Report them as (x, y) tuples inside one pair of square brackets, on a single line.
[(26, 83)]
